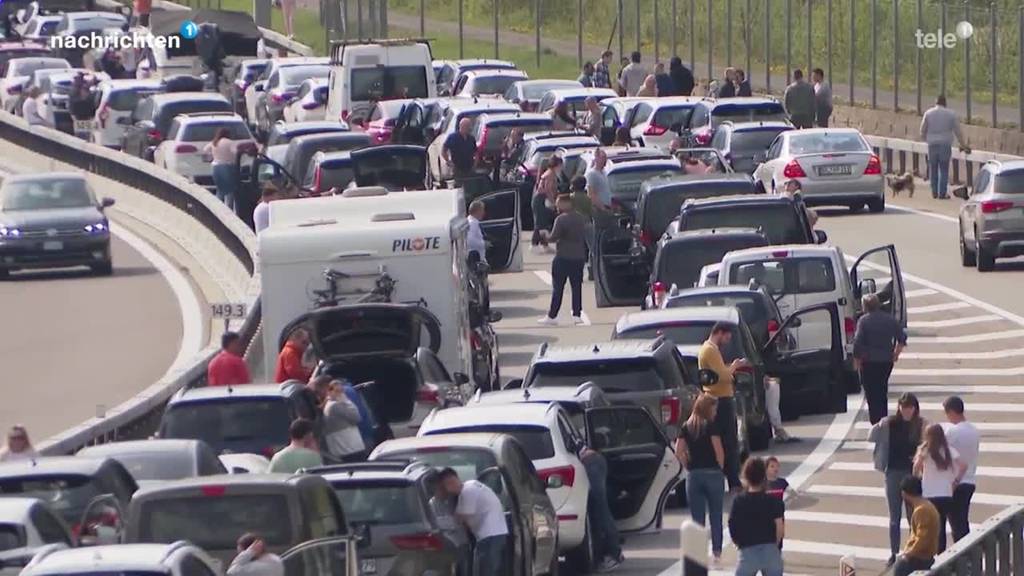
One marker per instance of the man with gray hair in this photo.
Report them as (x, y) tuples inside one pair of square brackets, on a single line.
[(877, 345)]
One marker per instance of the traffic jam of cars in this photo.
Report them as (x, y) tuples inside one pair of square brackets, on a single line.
[(365, 261)]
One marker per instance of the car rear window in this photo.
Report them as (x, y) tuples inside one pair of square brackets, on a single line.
[(125, 99), (11, 536), (668, 117), (294, 75), (622, 375), (1011, 182), (27, 67), (214, 522), (67, 494), (680, 263), (388, 83), (535, 440), (787, 276), (661, 207), (253, 71), (625, 184), (685, 333), (493, 84), (468, 462), (826, 142), (277, 138), (753, 141), (779, 222), (332, 175), (207, 130), (153, 466), (751, 306), (496, 133), (230, 420), (769, 111), (172, 109), (380, 503)]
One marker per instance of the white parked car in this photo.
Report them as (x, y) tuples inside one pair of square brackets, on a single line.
[(115, 101), (177, 559), (310, 102), (29, 523), (41, 27), (19, 71), (493, 82), (182, 151), (458, 109), (254, 90), (655, 122)]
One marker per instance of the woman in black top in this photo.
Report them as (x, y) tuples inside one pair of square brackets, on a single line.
[(699, 448), (756, 524), (896, 439)]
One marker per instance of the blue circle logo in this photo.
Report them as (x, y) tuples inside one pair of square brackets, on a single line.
[(189, 30)]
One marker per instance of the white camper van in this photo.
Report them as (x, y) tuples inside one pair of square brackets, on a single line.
[(366, 71)]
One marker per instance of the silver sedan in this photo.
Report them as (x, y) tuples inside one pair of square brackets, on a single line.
[(834, 166)]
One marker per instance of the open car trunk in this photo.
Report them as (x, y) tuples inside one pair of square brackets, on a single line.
[(392, 398)]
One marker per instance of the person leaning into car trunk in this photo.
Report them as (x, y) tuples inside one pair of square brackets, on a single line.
[(710, 358), (342, 438)]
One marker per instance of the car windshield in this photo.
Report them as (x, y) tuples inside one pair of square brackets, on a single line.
[(376, 503), (388, 83), (468, 462), (496, 133), (217, 422), (11, 536), (661, 207), (753, 141), (95, 23), (47, 27), (205, 131), (751, 305), (215, 522), (623, 375), (672, 116), (767, 112), (125, 99), (537, 91), (45, 194), (493, 84), (157, 466), (535, 440), (680, 263), (1011, 182), (779, 222), (67, 495), (293, 76), (330, 175), (787, 276), (625, 184), (28, 67), (684, 333), (826, 142)]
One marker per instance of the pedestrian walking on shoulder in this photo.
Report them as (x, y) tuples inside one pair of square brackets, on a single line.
[(254, 560), (544, 195), (757, 524), (877, 345), (459, 150), (710, 358), (587, 77), (342, 437), (290, 365), (301, 452), (632, 77), (223, 153), (699, 448), (822, 98), (19, 447), (649, 88), (923, 544), (940, 469), (607, 544), (228, 367), (799, 101), (742, 84), (570, 235), (939, 126), (896, 439), (663, 80), (481, 511), (682, 77), (963, 437), (602, 71), (727, 88)]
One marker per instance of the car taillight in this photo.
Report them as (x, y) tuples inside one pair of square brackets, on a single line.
[(793, 170), (482, 145), (655, 130), (669, 410), (310, 106), (994, 207), (280, 98), (344, 115), (426, 541), (474, 341), (780, 254), (428, 394), (154, 134), (849, 326), (213, 490), (703, 138), (773, 327), (658, 293), (185, 149), (567, 474), (874, 167), (645, 238)]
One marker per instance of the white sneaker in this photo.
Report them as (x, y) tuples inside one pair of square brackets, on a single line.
[(547, 321), (577, 320)]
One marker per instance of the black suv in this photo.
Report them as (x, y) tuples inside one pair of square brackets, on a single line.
[(648, 373), (755, 303), (151, 119), (783, 219)]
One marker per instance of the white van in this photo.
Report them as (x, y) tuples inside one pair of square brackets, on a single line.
[(415, 238), (798, 276), (366, 71)]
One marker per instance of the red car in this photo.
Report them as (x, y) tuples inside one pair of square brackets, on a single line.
[(381, 120)]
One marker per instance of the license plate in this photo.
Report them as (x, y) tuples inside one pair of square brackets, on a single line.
[(835, 170), (368, 566), (53, 245), (83, 125)]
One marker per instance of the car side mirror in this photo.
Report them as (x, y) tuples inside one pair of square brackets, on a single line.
[(106, 203), (796, 323), (707, 378), (259, 86), (868, 286), (961, 192), (820, 237), (514, 384), (625, 224), (460, 378)]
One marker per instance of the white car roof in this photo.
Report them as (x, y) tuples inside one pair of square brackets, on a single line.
[(666, 163), (784, 251), (489, 72), (460, 105), (487, 415), (15, 510), (120, 557), (128, 83), (662, 316), (673, 101), (208, 119), (186, 96), (561, 93)]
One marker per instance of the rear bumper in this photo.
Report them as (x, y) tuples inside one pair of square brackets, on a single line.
[(572, 525), (24, 254), (825, 193), (1003, 244)]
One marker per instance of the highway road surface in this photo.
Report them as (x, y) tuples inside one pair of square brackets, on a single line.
[(966, 337)]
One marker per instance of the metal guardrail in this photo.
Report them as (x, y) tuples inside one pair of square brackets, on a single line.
[(902, 156), (994, 548)]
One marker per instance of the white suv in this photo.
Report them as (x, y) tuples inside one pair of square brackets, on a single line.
[(117, 99), (182, 151), (178, 559)]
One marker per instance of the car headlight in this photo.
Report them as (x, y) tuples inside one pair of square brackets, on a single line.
[(96, 228), (9, 232)]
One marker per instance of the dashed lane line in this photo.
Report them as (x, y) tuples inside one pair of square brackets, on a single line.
[(961, 389), (951, 322), (938, 308), (986, 447), (921, 292), (879, 492), (958, 372), (969, 338), (990, 355), (984, 471), (974, 407), (981, 426)]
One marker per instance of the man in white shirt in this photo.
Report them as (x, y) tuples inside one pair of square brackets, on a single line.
[(475, 241), (481, 511), (261, 215), (254, 560), (30, 109), (963, 437)]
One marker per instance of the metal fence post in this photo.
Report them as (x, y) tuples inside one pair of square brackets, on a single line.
[(896, 55), (747, 29), (810, 27), (637, 25), (579, 33), (853, 43), (728, 33), (461, 22), (917, 54), (829, 40), (675, 26), (711, 25), (942, 49), (497, 28), (995, 78), (1020, 69), (693, 45), (621, 25), (423, 18), (789, 40), (657, 53), (359, 21), (874, 53), (967, 64), (767, 46), (536, 29)]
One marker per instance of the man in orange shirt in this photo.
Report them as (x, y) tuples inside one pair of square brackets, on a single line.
[(289, 361), (228, 368)]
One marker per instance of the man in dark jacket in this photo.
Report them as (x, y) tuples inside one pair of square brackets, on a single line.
[(877, 345), (799, 101), (664, 81), (742, 84), (682, 78), (727, 89)]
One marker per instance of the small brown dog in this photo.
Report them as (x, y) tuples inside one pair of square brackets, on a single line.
[(901, 183)]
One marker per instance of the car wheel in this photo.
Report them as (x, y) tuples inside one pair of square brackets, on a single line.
[(105, 269), (876, 205), (985, 260), (581, 558), (967, 257)]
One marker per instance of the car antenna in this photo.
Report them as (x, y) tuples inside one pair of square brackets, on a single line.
[(596, 349), (526, 393)]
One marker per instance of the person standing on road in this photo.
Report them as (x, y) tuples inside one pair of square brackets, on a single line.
[(289, 362), (963, 437), (19, 447), (939, 126), (632, 77), (223, 152), (742, 84), (896, 439), (791, 189), (799, 101), (607, 545), (30, 109), (261, 214), (710, 358), (602, 71), (587, 77), (481, 511), (772, 398), (544, 195), (254, 560), (459, 150), (939, 468), (924, 530), (727, 88), (822, 98), (301, 452), (682, 77), (877, 345), (228, 367), (342, 438), (599, 191), (663, 80), (570, 235), (699, 448), (757, 524)]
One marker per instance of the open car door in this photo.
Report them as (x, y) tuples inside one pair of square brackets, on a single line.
[(811, 367), (501, 226), (642, 469), (396, 167), (334, 556), (409, 126), (620, 277), (877, 271)]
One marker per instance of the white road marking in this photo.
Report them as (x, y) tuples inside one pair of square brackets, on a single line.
[(973, 407), (990, 355), (833, 549), (986, 447), (958, 372), (985, 471), (942, 217), (950, 322), (921, 292), (958, 389), (845, 519), (879, 492), (969, 338), (982, 426), (938, 308)]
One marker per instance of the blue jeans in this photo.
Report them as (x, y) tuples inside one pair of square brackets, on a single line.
[(225, 177), (763, 558), (705, 493), (939, 156), (543, 217), (894, 497), (489, 555), (605, 532)]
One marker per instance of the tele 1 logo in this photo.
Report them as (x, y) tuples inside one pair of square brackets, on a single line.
[(942, 38)]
